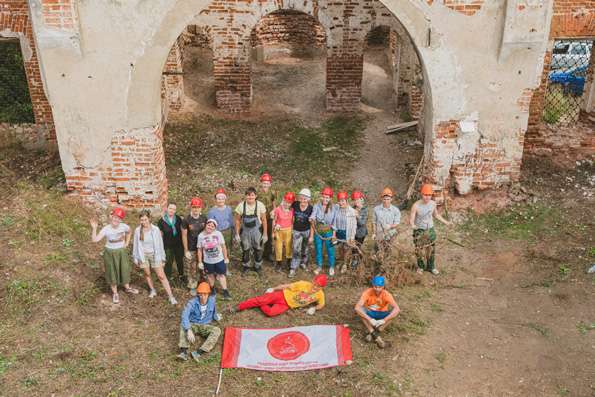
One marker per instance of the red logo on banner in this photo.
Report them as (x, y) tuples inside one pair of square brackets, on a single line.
[(288, 345)]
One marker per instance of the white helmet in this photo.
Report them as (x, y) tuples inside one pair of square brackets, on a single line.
[(305, 192)]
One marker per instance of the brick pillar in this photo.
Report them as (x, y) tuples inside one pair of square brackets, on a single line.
[(533, 140), (233, 84), (133, 175), (344, 81), (173, 81)]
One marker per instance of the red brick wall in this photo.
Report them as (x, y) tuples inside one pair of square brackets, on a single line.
[(571, 19), (59, 14), (172, 93), (466, 7), (344, 81), (14, 18), (293, 30)]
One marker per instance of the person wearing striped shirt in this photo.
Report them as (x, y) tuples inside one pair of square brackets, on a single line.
[(345, 225)]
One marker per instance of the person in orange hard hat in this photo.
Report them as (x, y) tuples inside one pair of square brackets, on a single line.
[(197, 319), (424, 235), (282, 223), (268, 197), (323, 220), (115, 256), (345, 227), (192, 226), (386, 219)]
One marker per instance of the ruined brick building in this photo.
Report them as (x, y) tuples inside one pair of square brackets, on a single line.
[(104, 75)]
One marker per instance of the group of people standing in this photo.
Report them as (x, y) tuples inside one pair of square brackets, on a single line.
[(263, 227)]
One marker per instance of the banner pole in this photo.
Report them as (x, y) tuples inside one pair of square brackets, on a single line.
[(219, 382)]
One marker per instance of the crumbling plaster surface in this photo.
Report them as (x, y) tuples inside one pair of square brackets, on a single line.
[(109, 79)]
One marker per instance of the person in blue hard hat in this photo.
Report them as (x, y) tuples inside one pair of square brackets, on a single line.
[(377, 308)]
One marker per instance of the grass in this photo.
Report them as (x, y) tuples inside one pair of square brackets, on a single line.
[(541, 329), (441, 358), (558, 106), (583, 327), (520, 222), (5, 363)]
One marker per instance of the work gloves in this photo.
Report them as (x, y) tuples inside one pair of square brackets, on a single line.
[(190, 336), (226, 261)]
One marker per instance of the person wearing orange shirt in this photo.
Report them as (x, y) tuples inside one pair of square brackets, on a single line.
[(377, 308)]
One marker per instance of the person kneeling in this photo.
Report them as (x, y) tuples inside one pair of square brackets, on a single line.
[(197, 317), (373, 308), (279, 299)]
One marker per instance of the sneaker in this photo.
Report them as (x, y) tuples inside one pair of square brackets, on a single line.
[(435, 272), (343, 269), (172, 300), (379, 342), (317, 270), (152, 294), (304, 266), (331, 271), (131, 290), (195, 356), (420, 270), (232, 309), (116, 298), (182, 356), (591, 270), (226, 295), (368, 337), (291, 273)]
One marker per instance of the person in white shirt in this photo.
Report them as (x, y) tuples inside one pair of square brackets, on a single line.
[(148, 253), (115, 254), (212, 256)]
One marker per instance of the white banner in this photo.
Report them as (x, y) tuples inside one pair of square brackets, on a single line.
[(286, 349)]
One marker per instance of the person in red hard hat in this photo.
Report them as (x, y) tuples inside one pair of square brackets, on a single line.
[(170, 225), (345, 226), (115, 256), (282, 223), (268, 197), (361, 212), (279, 299), (323, 220), (192, 226), (424, 235)]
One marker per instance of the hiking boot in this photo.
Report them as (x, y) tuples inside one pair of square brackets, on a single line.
[(435, 272), (368, 337), (131, 290), (379, 342), (172, 300), (152, 294), (304, 266), (182, 356), (317, 270), (291, 273), (331, 271), (195, 356), (420, 270), (115, 298), (226, 295)]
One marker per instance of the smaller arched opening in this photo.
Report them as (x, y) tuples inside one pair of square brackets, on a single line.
[(288, 57)]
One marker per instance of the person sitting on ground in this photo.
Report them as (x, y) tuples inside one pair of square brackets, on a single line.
[(212, 251), (192, 226), (361, 212), (250, 217), (303, 232), (424, 235), (282, 224), (377, 308), (197, 317), (279, 299), (387, 218), (345, 225), (115, 255), (148, 253)]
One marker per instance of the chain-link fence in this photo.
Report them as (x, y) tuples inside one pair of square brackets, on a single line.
[(15, 102), (566, 80)]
